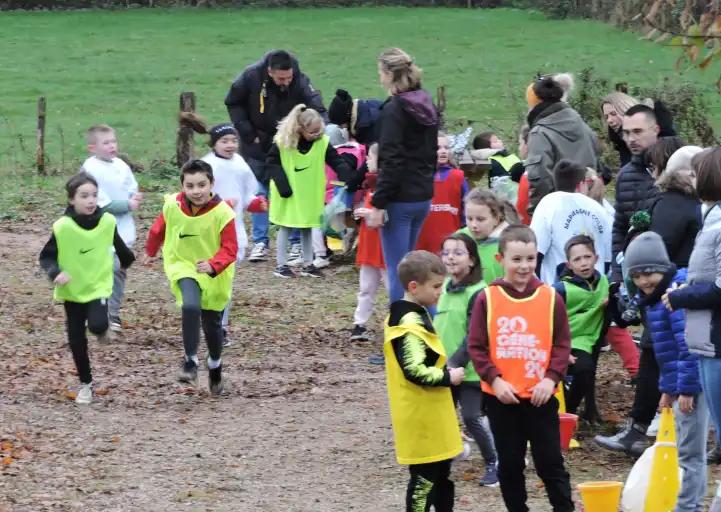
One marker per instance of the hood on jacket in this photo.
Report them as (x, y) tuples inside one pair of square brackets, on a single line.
[(531, 287), (563, 120), (486, 153), (671, 276), (712, 218), (419, 104)]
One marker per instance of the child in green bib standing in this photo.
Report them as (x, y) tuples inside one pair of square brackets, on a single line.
[(296, 165), (486, 217), (78, 258), (460, 289), (197, 231)]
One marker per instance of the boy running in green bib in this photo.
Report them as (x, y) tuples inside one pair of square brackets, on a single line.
[(78, 258), (486, 218), (462, 286), (296, 165), (585, 292), (425, 428), (197, 231)]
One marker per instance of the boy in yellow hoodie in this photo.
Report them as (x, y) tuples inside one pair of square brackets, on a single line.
[(425, 428)]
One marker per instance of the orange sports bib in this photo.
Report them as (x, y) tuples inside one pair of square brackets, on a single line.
[(520, 334)]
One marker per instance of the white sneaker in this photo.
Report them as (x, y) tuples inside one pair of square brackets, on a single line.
[(652, 430), (259, 252), (294, 255), (85, 394), (321, 262), (116, 326)]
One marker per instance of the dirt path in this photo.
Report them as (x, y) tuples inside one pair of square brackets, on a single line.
[(304, 426)]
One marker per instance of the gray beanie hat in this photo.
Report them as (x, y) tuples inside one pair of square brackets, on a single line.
[(681, 159), (646, 253)]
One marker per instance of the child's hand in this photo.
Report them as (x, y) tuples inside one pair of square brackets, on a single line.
[(685, 404), (134, 203), (571, 359), (542, 392), (361, 213), (61, 279), (148, 261), (505, 393), (263, 204), (666, 401), (203, 267), (457, 375)]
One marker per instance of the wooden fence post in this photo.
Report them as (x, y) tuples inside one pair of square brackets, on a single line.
[(441, 104), (40, 149), (184, 143)]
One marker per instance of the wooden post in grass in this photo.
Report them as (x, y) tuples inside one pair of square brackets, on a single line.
[(184, 143), (40, 150), (441, 103)]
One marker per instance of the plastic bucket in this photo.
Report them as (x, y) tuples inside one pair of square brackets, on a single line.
[(600, 496), (568, 424)]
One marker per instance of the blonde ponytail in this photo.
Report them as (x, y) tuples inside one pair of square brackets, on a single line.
[(289, 127)]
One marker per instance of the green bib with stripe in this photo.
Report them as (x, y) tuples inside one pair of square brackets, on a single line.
[(586, 313), (306, 177), (86, 255), (191, 239), (451, 321)]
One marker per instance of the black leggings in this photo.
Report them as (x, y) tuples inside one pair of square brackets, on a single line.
[(193, 315), (645, 401), (95, 314), (583, 373), (430, 485)]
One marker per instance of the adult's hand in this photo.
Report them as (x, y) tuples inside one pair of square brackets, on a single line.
[(375, 218)]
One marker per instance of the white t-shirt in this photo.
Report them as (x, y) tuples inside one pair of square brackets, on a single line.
[(234, 180), (115, 183), (562, 215)]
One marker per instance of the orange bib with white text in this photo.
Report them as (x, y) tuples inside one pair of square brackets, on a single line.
[(520, 334)]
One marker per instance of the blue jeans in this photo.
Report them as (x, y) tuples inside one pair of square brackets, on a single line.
[(399, 236), (691, 434), (261, 223), (710, 372)]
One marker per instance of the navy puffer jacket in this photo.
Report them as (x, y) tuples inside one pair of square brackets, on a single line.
[(679, 371)]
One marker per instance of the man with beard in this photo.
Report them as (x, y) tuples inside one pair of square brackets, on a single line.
[(263, 94)]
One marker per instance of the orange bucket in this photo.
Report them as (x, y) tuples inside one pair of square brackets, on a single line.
[(600, 496), (568, 424)]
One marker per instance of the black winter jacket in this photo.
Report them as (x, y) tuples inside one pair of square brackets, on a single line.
[(407, 149), (635, 191), (676, 216), (256, 105)]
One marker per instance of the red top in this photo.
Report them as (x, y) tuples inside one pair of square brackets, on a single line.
[(228, 250), (478, 345), (522, 201), (446, 210), (369, 250)]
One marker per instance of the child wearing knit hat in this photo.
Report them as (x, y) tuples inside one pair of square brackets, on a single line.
[(679, 382)]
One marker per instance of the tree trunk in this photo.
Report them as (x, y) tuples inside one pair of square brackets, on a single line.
[(184, 143), (40, 150)]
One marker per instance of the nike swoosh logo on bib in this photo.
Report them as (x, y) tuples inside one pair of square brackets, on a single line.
[(183, 235), (303, 169), (84, 251)]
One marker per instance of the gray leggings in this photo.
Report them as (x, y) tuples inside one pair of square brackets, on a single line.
[(193, 315), (470, 397), (306, 244)]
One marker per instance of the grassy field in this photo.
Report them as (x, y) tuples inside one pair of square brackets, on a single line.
[(127, 68)]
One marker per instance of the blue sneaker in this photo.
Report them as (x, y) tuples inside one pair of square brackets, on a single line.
[(490, 479), (378, 359)]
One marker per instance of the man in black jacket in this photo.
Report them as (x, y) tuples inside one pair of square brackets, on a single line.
[(263, 94), (635, 187)]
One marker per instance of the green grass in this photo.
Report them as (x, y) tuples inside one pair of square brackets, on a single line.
[(127, 68)]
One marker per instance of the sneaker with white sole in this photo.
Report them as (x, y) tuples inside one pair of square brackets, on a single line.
[(85, 394), (188, 372), (283, 271), (311, 271), (259, 252), (226, 340), (359, 333), (321, 262), (490, 478), (116, 326), (295, 255), (652, 430)]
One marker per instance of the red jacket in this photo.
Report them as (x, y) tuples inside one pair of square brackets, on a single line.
[(522, 201), (478, 334), (228, 250)]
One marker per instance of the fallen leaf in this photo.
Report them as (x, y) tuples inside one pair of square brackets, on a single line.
[(70, 394), (102, 391), (7, 461), (6, 445), (115, 439)]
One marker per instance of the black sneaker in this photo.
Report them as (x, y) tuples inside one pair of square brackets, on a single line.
[(359, 333), (283, 271), (226, 341), (188, 372), (311, 271), (215, 380)]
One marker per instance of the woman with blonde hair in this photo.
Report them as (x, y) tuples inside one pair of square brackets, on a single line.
[(296, 165), (613, 107), (407, 154)]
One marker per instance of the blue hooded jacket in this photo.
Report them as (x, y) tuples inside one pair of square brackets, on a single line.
[(679, 369)]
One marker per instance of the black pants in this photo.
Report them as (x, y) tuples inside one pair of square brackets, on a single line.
[(582, 375), (430, 485), (470, 397), (193, 316), (95, 315), (513, 426), (645, 401)]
